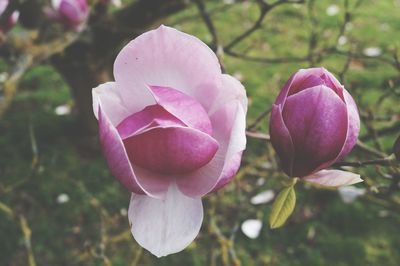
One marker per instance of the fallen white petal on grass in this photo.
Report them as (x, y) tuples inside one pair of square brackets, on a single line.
[(123, 212), (372, 51), (229, 2), (383, 213), (116, 3), (260, 181), (266, 165), (385, 27), (350, 193), (332, 10), (342, 40), (62, 198), (251, 228), (263, 197), (3, 76), (62, 110)]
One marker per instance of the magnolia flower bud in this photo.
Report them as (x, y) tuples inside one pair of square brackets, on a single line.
[(72, 13), (314, 122)]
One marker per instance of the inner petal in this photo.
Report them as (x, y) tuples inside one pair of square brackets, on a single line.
[(308, 82), (171, 150), (151, 116), (184, 107)]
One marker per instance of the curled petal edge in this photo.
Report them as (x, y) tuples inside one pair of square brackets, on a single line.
[(301, 75), (281, 139), (222, 167), (118, 161)]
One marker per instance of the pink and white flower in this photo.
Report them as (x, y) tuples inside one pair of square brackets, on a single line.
[(172, 129)]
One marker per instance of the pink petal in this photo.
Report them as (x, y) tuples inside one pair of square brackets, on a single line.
[(333, 178), (151, 116), (304, 82), (171, 150), (111, 103), (352, 131), (281, 139), (118, 161), (353, 124), (229, 170), (230, 91), (317, 121), (229, 130), (331, 82), (169, 58), (307, 78), (184, 107), (165, 226)]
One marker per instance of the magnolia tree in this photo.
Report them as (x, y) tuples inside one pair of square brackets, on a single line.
[(172, 124)]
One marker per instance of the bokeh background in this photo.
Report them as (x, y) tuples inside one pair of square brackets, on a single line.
[(59, 204)]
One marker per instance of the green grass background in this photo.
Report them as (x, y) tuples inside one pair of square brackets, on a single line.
[(92, 227)]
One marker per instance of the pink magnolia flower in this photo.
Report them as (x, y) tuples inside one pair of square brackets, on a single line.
[(11, 21), (314, 123), (72, 13), (172, 129)]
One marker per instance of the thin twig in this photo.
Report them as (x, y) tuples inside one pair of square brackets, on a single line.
[(32, 55), (364, 147), (258, 119), (26, 231), (207, 20), (383, 162), (266, 60), (258, 135)]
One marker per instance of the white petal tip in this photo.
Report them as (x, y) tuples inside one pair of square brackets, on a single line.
[(166, 226), (334, 178)]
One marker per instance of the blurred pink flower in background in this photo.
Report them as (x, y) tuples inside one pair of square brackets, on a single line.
[(72, 13), (172, 129), (314, 123), (11, 21)]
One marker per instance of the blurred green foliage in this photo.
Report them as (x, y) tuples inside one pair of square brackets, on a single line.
[(92, 228)]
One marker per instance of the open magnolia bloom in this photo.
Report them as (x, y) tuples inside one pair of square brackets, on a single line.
[(314, 123), (172, 129)]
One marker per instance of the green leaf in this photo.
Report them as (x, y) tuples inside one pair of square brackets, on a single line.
[(283, 207)]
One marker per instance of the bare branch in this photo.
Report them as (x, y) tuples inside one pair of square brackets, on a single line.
[(32, 54)]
